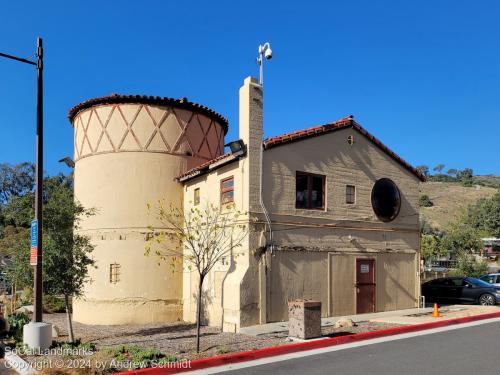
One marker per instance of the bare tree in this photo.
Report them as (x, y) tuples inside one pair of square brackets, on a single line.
[(198, 238)]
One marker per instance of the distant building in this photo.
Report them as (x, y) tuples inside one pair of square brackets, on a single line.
[(491, 247), (343, 211)]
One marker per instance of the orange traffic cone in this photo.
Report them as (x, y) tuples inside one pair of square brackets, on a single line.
[(435, 313)]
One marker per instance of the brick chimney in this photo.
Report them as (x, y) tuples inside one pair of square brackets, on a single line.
[(251, 133)]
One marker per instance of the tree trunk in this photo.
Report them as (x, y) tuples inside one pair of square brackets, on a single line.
[(198, 317), (70, 323)]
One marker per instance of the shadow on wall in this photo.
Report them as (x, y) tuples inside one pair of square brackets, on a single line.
[(206, 301), (231, 269), (281, 164), (396, 296)]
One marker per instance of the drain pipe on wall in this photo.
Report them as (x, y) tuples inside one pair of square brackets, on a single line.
[(266, 213)]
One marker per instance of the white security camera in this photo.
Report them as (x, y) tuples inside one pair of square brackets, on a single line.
[(268, 54)]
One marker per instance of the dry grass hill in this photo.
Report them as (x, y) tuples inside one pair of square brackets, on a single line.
[(449, 199)]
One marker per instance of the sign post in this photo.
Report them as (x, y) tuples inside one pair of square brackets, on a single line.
[(34, 243)]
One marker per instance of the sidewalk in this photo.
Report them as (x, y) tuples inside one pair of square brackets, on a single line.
[(403, 317)]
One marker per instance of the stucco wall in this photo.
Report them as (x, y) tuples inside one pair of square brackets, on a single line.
[(316, 250), (306, 237), (128, 155)]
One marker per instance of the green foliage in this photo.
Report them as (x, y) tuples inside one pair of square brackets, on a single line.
[(425, 201), (53, 304), (467, 265), (430, 247), (465, 177), (199, 238), (438, 168), (461, 238), (77, 344), (16, 323), (484, 216), (139, 357), (66, 255), (16, 180), (222, 350)]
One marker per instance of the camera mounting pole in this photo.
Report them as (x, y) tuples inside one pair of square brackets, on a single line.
[(264, 51)]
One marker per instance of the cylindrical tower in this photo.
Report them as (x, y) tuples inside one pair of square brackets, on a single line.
[(128, 150)]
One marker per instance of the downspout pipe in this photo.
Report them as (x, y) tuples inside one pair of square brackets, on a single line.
[(264, 209)]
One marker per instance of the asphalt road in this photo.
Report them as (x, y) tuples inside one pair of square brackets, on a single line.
[(472, 350)]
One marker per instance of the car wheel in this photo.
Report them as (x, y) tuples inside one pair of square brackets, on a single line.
[(487, 300)]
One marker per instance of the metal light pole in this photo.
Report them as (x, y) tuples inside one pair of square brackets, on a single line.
[(38, 312)]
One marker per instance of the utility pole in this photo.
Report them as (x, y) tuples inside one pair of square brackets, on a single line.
[(37, 241), (38, 287)]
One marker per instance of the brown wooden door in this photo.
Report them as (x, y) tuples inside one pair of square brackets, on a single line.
[(365, 285)]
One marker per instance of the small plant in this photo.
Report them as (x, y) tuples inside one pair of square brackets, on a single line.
[(137, 356), (222, 350), (77, 344), (16, 323), (425, 201)]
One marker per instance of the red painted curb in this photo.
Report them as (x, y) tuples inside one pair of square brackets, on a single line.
[(302, 346)]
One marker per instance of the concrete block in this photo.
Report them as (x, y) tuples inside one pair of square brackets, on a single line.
[(37, 336), (304, 319)]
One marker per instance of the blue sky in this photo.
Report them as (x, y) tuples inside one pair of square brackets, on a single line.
[(424, 77)]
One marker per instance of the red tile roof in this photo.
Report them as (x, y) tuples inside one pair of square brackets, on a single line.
[(346, 122), (155, 100), (196, 171)]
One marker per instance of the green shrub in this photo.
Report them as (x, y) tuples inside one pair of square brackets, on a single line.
[(141, 358), (425, 201), (16, 323), (53, 304), (222, 350), (468, 266)]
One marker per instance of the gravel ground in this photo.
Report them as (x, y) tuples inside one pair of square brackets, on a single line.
[(179, 338), (4, 370)]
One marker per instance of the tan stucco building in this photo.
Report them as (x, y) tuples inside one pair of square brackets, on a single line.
[(332, 213)]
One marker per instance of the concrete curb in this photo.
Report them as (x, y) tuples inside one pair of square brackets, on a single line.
[(16, 363), (302, 346)]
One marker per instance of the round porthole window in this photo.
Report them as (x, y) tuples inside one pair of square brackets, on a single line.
[(386, 199)]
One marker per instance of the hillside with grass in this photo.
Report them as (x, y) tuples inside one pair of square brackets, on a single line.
[(449, 198)]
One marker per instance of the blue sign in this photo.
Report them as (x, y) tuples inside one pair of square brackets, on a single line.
[(34, 233)]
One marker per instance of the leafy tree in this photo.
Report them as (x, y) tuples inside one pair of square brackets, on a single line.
[(16, 180), (198, 237), (484, 216), (465, 176), (423, 169), (430, 247), (438, 168), (467, 265), (452, 172), (66, 254), (461, 238), (425, 201)]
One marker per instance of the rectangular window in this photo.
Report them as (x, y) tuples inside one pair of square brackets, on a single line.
[(310, 191), (227, 190), (196, 198), (114, 273), (350, 194)]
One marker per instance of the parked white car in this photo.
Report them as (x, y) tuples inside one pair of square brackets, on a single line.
[(492, 278)]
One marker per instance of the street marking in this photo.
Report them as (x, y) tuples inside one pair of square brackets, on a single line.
[(307, 353)]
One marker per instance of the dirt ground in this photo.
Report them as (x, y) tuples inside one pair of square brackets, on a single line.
[(179, 339)]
